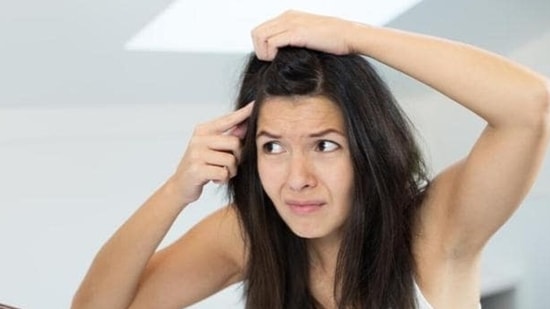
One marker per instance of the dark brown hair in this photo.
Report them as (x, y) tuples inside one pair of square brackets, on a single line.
[(375, 266)]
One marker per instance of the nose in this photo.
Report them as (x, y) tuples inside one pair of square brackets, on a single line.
[(301, 173)]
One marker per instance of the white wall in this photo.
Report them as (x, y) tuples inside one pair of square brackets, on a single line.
[(69, 176)]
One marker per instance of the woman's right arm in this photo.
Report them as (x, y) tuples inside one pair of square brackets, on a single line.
[(127, 273)]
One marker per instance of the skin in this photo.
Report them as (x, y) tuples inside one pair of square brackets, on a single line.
[(303, 160), (305, 167), (468, 202)]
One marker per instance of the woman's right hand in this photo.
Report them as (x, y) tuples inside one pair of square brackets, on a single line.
[(212, 154), (126, 263)]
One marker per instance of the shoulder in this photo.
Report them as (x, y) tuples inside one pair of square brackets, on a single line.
[(206, 259), (223, 229)]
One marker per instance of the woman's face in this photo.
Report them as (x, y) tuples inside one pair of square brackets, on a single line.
[(304, 163)]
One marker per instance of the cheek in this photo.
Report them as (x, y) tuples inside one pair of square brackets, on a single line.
[(341, 180), (269, 175)]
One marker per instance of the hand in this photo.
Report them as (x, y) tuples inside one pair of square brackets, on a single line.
[(293, 28), (212, 154)]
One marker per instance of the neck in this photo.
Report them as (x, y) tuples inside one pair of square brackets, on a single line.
[(324, 253)]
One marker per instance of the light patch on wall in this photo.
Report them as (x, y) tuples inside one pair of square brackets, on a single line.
[(217, 26)]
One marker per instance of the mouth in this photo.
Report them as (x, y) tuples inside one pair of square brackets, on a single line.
[(304, 207)]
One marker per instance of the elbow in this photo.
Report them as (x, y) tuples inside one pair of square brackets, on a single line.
[(545, 109), (78, 302), (528, 109), (85, 299), (90, 299), (539, 112), (81, 300)]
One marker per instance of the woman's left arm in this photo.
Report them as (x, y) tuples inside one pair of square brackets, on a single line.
[(478, 194), (475, 196)]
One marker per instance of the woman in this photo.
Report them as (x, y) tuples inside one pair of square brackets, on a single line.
[(331, 205)]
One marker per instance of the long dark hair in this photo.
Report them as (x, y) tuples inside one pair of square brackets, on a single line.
[(375, 265)]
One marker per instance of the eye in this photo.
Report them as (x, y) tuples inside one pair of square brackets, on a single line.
[(272, 148), (327, 146)]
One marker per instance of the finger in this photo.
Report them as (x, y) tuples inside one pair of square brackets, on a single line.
[(219, 174), (222, 159), (223, 143), (216, 174), (262, 34), (259, 36), (226, 122), (233, 145), (239, 130), (220, 150), (275, 42), (212, 166)]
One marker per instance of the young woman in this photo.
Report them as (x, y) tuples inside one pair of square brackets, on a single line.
[(332, 207)]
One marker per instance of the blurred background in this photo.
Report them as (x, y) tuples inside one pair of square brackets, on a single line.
[(98, 99)]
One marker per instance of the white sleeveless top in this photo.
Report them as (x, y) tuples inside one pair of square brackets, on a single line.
[(421, 301)]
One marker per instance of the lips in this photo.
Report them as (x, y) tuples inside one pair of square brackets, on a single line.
[(302, 207)]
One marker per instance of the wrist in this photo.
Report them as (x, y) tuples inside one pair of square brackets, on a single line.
[(358, 37), (171, 190)]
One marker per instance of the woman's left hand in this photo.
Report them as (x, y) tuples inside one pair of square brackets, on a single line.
[(293, 28)]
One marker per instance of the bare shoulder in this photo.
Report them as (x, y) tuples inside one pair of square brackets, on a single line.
[(223, 229), (220, 234), (205, 260)]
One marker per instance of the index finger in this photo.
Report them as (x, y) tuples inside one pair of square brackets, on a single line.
[(264, 33), (226, 122)]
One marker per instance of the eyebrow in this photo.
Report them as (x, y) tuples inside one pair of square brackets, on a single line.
[(264, 133)]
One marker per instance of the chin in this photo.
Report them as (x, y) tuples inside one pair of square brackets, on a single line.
[(307, 233)]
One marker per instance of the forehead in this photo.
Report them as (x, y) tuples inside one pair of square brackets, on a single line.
[(300, 111)]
